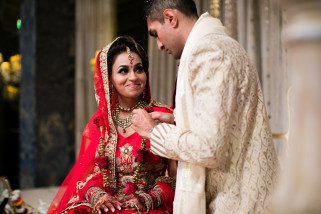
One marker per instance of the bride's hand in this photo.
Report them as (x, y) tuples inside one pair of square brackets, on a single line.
[(132, 201), (106, 203)]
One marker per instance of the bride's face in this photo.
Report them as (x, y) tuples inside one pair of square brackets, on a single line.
[(128, 75)]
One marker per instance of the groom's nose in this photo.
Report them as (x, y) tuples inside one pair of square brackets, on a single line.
[(160, 45)]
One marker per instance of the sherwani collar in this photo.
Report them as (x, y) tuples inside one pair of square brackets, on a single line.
[(206, 24)]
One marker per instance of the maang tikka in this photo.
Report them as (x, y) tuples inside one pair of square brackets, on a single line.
[(130, 57)]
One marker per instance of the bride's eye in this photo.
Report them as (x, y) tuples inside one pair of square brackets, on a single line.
[(123, 71), (140, 69)]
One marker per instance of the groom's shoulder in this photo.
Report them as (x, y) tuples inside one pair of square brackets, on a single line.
[(219, 44)]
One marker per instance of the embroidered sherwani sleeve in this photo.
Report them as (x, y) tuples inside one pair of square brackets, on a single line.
[(213, 84)]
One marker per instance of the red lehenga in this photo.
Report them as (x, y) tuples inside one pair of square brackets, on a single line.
[(108, 161)]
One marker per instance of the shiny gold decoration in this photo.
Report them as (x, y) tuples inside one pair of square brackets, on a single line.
[(285, 135), (280, 136), (93, 61), (1, 58), (124, 123), (130, 56), (215, 8), (10, 75)]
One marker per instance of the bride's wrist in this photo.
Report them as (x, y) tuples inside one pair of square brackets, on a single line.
[(93, 194), (146, 200)]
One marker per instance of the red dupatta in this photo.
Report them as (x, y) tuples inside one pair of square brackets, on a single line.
[(72, 193)]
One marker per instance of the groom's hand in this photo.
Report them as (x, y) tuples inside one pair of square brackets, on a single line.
[(143, 123), (161, 117)]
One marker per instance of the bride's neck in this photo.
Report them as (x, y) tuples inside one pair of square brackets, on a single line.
[(127, 102)]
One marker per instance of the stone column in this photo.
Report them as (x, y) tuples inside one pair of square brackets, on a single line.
[(300, 185), (47, 91), (229, 17)]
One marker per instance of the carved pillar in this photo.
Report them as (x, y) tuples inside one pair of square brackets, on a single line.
[(229, 17), (300, 185)]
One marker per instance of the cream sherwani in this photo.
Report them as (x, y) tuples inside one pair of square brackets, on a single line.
[(226, 159)]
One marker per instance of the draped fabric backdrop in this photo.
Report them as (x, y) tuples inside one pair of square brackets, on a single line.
[(95, 27)]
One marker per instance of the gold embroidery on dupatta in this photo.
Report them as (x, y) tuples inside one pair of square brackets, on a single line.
[(65, 211), (158, 104), (110, 149), (73, 199), (81, 184)]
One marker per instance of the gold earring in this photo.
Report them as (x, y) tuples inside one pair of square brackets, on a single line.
[(111, 90)]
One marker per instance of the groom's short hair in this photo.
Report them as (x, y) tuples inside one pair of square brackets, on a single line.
[(154, 8)]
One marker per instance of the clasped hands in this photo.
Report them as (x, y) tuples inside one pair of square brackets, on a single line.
[(143, 122), (110, 203)]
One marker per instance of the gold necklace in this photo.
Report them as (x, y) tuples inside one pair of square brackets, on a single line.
[(124, 123), (127, 109)]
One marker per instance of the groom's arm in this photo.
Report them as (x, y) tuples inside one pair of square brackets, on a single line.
[(213, 81)]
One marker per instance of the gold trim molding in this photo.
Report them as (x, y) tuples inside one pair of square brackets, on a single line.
[(215, 8)]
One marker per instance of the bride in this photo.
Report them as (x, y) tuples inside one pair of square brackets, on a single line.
[(115, 171)]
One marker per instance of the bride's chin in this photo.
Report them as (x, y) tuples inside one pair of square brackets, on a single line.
[(133, 96)]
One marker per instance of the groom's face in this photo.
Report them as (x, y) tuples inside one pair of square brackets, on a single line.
[(166, 37)]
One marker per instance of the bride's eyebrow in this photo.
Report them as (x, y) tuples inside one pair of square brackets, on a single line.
[(138, 64), (123, 66)]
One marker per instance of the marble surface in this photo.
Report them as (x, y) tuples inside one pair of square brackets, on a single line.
[(39, 198)]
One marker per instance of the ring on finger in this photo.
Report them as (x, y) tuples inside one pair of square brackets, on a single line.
[(137, 208)]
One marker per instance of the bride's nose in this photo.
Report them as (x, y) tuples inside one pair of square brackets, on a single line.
[(132, 75)]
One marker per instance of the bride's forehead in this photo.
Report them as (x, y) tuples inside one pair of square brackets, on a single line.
[(124, 57)]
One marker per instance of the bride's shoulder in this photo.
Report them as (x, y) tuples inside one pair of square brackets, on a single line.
[(158, 106)]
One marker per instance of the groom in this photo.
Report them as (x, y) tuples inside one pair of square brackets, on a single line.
[(221, 138)]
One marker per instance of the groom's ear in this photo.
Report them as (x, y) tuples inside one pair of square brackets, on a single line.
[(170, 17)]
